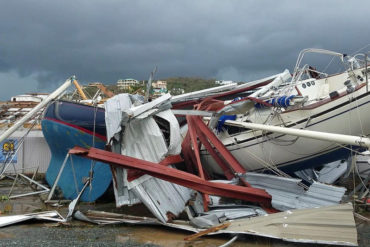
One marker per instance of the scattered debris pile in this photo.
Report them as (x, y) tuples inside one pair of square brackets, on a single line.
[(152, 164)]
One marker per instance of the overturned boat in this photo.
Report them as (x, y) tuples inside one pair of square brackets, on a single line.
[(308, 99)]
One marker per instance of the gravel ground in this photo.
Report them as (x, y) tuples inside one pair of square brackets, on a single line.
[(79, 233), (74, 235)]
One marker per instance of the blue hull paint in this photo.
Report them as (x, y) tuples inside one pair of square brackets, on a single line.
[(60, 138), (339, 154)]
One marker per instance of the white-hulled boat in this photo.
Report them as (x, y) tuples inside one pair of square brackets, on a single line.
[(309, 99)]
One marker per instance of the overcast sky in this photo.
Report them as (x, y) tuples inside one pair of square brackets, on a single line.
[(42, 43)]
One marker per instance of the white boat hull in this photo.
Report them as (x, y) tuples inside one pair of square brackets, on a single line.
[(348, 114)]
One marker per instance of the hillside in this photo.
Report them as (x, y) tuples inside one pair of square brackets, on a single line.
[(189, 84)]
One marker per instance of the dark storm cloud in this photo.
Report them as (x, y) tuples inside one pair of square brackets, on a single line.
[(106, 40)]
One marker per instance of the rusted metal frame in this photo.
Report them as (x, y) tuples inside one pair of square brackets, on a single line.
[(196, 148), (178, 177), (134, 174), (236, 166), (229, 158), (225, 168), (193, 138), (187, 153)]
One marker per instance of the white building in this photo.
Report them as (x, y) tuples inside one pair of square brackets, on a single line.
[(160, 84), (127, 83), (29, 97)]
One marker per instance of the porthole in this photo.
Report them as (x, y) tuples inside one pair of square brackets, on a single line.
[(313, 83), (308, 84), (304, 85)]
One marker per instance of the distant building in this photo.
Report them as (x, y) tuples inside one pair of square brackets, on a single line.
[(127, 83), (32, 97), (160, 84), (159, 88), (222, 82)]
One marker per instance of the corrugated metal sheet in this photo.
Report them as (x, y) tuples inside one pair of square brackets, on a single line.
[(332, 171), (237, 213), (288, 194), (164, 199), (326, 225), (142, 138), (333, 225), (363, 164)]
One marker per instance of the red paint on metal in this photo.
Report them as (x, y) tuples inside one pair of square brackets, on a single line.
[(134, 174), (187, 153), (225, 168), (178, 177), (104, 138), (233, 167), (230, 159), (196, 147)]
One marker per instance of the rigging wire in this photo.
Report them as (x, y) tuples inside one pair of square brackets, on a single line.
[(93, 162)]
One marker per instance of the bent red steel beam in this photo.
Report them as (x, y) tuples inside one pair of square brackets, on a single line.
[(176, 176), (196, 147), (235, 166), (194, 142), (230, 159), (225, 168), (188, 154), (169, 160)]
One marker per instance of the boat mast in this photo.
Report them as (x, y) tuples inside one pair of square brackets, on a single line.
[(31, 113), (318, 135)]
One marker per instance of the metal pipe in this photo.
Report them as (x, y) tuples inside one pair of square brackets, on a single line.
[(57, 178), (79, 89), (324, 136), (31, 113), (33, 181)]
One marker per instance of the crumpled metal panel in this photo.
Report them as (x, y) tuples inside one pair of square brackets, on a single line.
[(288, 194), (325, 225), (164, 199), (237, 213), (52, 216), (332, 171), (363, 164), (113, 108), (333, 225), (142, 138)]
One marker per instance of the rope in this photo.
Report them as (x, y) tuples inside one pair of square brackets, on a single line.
[(92, 164)]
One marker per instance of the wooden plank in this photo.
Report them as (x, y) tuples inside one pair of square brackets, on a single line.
[(202, 233)]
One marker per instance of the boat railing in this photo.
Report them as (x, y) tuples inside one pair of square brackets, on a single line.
[(309, 71), (298, 72)]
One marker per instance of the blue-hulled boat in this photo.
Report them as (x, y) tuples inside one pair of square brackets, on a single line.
[(68, 124)]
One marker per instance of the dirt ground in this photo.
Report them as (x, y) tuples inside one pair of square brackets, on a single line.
[(77, 233)]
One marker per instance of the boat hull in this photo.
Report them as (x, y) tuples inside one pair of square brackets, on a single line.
[(62, 135), (257, 150)]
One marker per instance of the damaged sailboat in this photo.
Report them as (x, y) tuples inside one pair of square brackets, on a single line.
[(309, 100)]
